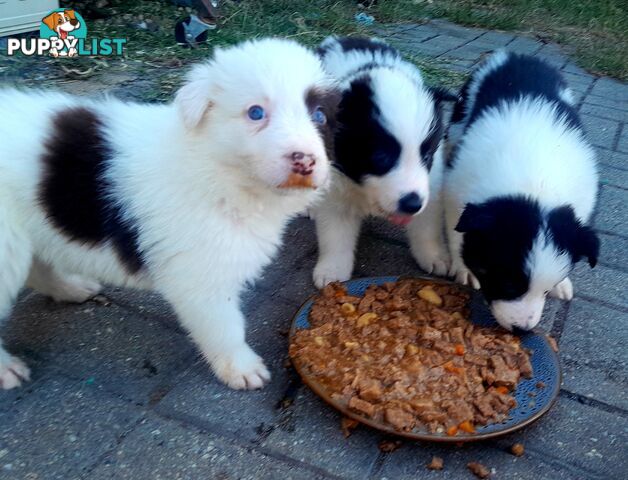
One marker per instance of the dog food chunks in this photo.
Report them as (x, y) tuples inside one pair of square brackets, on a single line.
[(405, 355)]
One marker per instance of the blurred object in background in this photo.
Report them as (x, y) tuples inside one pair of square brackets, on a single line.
[(193, 30)]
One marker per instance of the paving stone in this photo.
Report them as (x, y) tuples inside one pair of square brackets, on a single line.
[(200, 396), (579, 82), (610, 88), (613, 176), (415, 35), (525, 45), (311, 432), (599, 131), (612, 215), (493, 40), (593, 353), (107, 346), (457, 31), (160, 450), (613, 159), (396, 29), (409, 463), (439, 45), (613, 250), (623, 140), (575, 69), (60, 430), (553, 55), (606, 102), (468, 52), (576, 435), (600, 283), (604, 112)]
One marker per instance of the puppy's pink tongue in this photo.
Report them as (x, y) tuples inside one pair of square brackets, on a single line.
[(401, 220)]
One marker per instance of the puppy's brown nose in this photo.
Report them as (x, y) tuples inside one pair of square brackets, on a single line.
[(74, 22), (302, 163)]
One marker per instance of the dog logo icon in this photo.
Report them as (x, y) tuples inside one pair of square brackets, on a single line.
[(63, 27)]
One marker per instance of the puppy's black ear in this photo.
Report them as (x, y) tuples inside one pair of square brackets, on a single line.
[(570, 235), (441, 94), (474, 217), (588, 245)]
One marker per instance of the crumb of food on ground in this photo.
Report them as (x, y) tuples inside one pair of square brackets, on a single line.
[(517, 449), (552, 342), (540, 384), (436, 464), (478, 469), (102, 300), (389, 445), (347, 425)]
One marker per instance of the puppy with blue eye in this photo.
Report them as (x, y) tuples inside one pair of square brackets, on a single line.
[(387, 156), (519, 187), (189, 199)]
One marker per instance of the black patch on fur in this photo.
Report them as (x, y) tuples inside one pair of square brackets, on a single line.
[(571, 236), (498, 235), (74, 191), (327, 100), (362, 145), (361, 43), (460, 106), (518, 76)]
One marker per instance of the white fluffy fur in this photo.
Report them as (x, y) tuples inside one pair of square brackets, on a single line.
[(199, 177), (407, 109), (522, 149)]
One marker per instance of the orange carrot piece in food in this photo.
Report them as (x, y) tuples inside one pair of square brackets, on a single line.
[(459, 349), (452, 431), (467, 426), (503, 390), (451, 368)]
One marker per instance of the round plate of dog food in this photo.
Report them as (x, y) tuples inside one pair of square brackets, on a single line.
[(422, 358)]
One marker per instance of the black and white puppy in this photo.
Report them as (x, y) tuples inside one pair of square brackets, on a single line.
[(388, 139), (189, 199), (519, 187)]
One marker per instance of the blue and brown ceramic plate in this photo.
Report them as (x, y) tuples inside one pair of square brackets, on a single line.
[(532, 402)]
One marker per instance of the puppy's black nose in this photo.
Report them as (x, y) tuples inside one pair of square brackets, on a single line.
[(410, 203)]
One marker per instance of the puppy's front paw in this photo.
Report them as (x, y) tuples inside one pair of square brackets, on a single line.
[(563, 290), (12, 371), (432, 259), (464, 276), (332, 270), (241, 369)]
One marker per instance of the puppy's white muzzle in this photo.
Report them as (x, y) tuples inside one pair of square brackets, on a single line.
[(524, 313)]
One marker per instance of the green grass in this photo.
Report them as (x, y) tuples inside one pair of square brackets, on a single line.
[(595, 32)]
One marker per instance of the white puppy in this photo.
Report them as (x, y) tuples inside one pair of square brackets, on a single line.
[(189, 199), (387, 154), (519, 188)]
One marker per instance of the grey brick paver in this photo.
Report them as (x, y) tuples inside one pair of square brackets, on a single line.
[(159, 449), (604, 112), (60, 430), (615, 177), (107, 345), (612, 214), (601, 283), (613, 250), (596, 363), (600, 132), (439, 45), (312, 433), (525, 45), (575, 434), (409, 463), (616, 160), (622, 145)]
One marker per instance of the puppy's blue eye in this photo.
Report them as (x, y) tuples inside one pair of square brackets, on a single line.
[(256, 113), (319, 117)]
